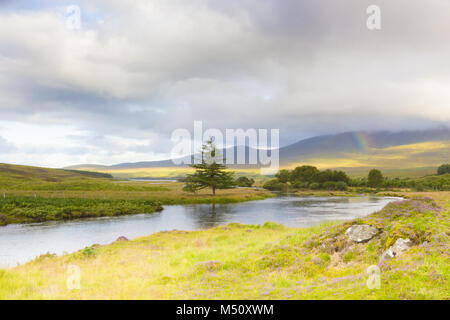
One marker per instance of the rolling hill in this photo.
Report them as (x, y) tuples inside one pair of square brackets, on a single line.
[(406, 152), (25, 177)]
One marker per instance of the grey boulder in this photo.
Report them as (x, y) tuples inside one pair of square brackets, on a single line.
[(397, 249), (361, 232)]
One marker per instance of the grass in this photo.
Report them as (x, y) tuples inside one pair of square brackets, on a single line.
[(166, 193), (22, 209), (32, 194), (325, 193), (255, 262), (170, 172), (25, 178), (414, 156)]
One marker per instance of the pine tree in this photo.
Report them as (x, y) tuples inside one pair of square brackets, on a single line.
[(210, 172)]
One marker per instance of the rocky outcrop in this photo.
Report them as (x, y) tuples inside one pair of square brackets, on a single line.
[(361, 232), (397, 249), (122, 238)]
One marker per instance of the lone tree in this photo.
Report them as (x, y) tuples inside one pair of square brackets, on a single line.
[(443, 169), (375, 178), (210, 172)]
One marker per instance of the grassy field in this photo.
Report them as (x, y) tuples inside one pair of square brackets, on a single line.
[(31, 194), (256, 262), (166, 193), (415, 157), (171, 172), (25, 178)]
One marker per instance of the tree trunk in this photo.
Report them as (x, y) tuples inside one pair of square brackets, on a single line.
[(214, 191)]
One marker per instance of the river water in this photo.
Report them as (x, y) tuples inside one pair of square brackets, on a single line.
[(20, 243)]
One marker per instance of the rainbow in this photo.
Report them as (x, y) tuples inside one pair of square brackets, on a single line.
[(363, 140)]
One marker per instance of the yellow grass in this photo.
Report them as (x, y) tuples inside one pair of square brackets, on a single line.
[(242, 262), (417, 155), (169, 193)]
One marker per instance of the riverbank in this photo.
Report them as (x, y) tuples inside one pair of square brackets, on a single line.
[(257, 262), (18, 206), (33, 194), (23, 209)]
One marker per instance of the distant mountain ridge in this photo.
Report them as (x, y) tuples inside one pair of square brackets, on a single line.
[(360, 142)]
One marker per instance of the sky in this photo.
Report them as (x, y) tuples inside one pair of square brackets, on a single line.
[(114, 89)]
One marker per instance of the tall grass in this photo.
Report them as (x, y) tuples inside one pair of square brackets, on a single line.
[(22, 209)]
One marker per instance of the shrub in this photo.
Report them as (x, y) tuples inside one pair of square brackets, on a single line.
[(2, 219), (419, 187), (304, 174), (341, 185), (244, 182), (89, 252), (275, 185), (333, 175), (300, 184), (314, 186), (283, 175), (443, 169), (330, 185)]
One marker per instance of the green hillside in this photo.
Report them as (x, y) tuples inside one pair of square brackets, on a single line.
[(17, 177)]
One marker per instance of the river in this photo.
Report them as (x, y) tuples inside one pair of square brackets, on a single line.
[(20, 243)]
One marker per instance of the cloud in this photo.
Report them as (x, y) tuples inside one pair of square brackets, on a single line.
[(137, 70), (5, 146)]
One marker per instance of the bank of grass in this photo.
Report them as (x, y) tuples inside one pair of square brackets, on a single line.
[(166, 193), (23, 209), (255, 262), (23, 206), (325, 193)]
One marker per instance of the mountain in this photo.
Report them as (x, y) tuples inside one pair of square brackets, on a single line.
[(358, 142), (358, 149)]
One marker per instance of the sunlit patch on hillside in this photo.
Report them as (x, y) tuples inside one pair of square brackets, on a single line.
[(419, 155)]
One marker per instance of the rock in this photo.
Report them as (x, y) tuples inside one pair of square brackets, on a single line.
[(361, 232), (397, 249), (122, 238), (209, 265)]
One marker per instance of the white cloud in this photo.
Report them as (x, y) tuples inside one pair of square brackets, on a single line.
[(139, 69)]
